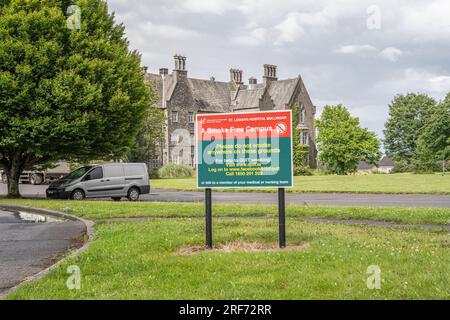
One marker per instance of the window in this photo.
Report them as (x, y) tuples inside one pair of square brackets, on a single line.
[(174, 116), (302, 115), (114, 171), (304, 138), (134, 170), (96, 173), (191, 117)]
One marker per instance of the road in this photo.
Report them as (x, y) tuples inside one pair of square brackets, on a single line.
[(26, 247), (312, 199)]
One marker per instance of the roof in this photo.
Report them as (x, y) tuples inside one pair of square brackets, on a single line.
[(362, 165), (386, 162), (212, 96), (249, 98), (281, 92), (220, 97), (169, 85)]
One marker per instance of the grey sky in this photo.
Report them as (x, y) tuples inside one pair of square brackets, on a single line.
[(355, 52)]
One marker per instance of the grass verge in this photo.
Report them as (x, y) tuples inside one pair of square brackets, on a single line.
[(141, 260), (107, 209), (406, 183)]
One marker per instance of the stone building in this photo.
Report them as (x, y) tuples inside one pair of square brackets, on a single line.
[(182, 98)]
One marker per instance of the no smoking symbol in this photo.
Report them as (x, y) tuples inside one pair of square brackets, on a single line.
[(281, 128)]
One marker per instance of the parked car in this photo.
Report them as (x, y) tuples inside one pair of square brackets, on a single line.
[(41, 177), (113, 180)]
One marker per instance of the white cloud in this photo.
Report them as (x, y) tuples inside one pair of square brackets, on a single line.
[(355, 49), (167, 31), (413, 80), (391, 54), (209, 6), (255, 37), (295, 24)]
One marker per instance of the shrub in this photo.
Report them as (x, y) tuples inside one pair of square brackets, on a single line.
[(175, 171), (303, 171), (401, 166)]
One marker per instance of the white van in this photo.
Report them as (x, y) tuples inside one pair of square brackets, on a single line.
[(113, 180)]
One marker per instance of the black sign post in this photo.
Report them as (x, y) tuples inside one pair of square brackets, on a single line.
[(282, 216), (208, 211)]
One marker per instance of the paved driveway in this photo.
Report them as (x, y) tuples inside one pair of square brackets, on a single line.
[(26, 248), (319, 199)]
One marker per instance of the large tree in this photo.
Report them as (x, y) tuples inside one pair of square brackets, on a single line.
[(342, 142), (433, 144), (408, 114), (149, 138), (67, 90)]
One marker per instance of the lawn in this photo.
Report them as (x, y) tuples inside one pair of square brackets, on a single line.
[(371, 183), (141, 260), (108, 209)]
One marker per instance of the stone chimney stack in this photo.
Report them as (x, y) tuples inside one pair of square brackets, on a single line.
[(236, 76), (270, 73), (252, 82), (163, 72), (180, 71)]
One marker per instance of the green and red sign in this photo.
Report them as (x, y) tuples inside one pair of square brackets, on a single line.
[(244, 150)]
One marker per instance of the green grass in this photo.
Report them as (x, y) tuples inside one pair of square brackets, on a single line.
[(370, 183), (104, 210), (139, 260)]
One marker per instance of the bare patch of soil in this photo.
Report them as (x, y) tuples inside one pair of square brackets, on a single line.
[(242, 246)]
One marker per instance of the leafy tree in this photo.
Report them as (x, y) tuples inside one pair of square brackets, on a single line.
[(433, 143), (342, 142), (300, 151), (65, 93), (149, 137), (408, 114)]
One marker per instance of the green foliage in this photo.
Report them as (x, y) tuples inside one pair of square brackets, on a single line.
[(300, 151), (65, 94), (175, 171), (424, 160), (148, 138), (408, 114), (402, 166), (433, 144), (342, 142)]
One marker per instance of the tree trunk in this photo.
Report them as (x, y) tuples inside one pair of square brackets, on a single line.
[(13, 172)]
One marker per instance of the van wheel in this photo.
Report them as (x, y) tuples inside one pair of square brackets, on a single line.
[(36, 179), (116, 198), (78, 195), (133, 194), (4, 178)]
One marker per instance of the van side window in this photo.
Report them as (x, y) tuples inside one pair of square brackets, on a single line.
[(113, 171), (96, 174), (131, 170)]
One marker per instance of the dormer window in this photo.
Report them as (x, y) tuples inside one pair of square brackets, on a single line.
[(302, 115)]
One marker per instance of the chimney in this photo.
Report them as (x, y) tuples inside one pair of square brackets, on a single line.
[(252, 82), (236, 76), (270, 73), (163, 72), (180, 71)]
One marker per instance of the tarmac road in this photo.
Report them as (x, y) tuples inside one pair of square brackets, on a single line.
[(312, 199), (26, 247)]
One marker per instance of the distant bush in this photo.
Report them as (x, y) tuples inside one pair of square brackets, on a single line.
[(153, 174), (402, 166), (303, 171), (175, 171)]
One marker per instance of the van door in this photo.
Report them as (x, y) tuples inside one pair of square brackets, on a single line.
[(114, 180), (93, 183)]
